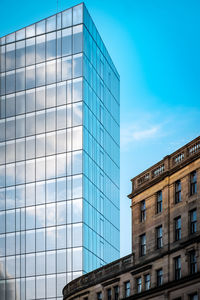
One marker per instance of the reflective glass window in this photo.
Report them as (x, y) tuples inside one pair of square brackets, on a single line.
[(51, 45), (10, 174), (40, 215), (20, 149), (10, 197), (30, 124), (30, 247), (51, 23), (50, 143), (40, 48), (66, 68), (20, 172), (10, 82), (61, 117), (20, 54), (66, 41), (40, 98), (77, 14), (77, 39), (77, 65), (40, 144), (10, 151), (67, 18), (61, 261), (77, 138), (30, 217), (50, 238), (51, 285), (30, 100), (77, 162), (30, 51), (50, 214), (20, 79), (51, 72), (77, 90), (61, 141), (50, 167), (61, 213), (61, 189), (2, 202), (77, 114), (51, 262), (77, 235), (50, 119), (40, 169), (50, 191), (40, 27), (10, 57), (40, 287), (40, 74), (30, 194), (61, 165), (61, 93), (40, 122), (30, 77), (30, 170), (77, 186), (10, 220), (30, 31), (40, 192), (40, 245), (20, 103), (20, 196), (61, 237), (20, 126), (51, 95)]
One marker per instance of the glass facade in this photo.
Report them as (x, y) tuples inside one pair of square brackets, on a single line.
[(59, 155)]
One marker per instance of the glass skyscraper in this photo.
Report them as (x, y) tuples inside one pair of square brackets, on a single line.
[(59, 155)]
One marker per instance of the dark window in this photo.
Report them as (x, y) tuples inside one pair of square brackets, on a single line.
[(109, 294), (193, 296), (159, 201), (193, 262), (147, 279), (99, 296), (143, 211), (139, 284), (177, 191), (193, 221), (127, 289), (193, 183), (177, 228), (159, 277), (177, 268), (159, 237), (142, 244), (116, 292)]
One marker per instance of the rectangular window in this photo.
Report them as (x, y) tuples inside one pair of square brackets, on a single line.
[(193, 221), (99, 296), (143, 211), (159, 237), (177, 191), (177, 268), (159, 202), (116, 292), (193, 183), (193, 262), (147, 279), (139, 284), (159, 277), (177, 228), (127, 289), (193, 296), (142, 244), (109, 294)]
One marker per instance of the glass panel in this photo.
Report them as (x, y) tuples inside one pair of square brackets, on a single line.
[(20, 172), (10, 220), (20, 126), (10, 151), (77, 259), (51, 72), (30, 194), (2, 203), (77, 90), (61, 117), (20, 103), (77, 114), (10, 82), (40, 215), (77, 65), (40, 287), (51, 23), (40, 192), (30, 77), (50, 191), (51, 95), (61, 261), (20, 79), (2, 176), (40, 144), (40, 27), (50, 238), (61, 141), (30, 30), (10, 266), (40, 122), (77, 138), (66, 68), (51, 262), (51, 286), (10, 197), (78, 14), (77, 162), (50, 119), (78, 39), (30, 100), (61, 189), (20, 149), (66, 41), (30, 246), (51, 45), (40, 74), (61, 93), (69, 116), (61, 213), (50, 143), (61, 237), (30, 51), (10, 105), (10, 57), (30, 288), (2, 107), (77, 210), (50, 214), (30, 264), (40, 169), (67, 18), (40, 48), (30, 171), (20, 54), (30, 217), (40, 98), (40, 263), (40, 246), (77, 186), (20, 196), (20, 34), (30, 124), (61, 165), (10, 174)]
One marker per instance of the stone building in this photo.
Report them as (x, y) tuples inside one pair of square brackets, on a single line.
[(165, 259)]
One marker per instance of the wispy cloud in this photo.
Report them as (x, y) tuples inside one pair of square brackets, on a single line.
[(136, 132)]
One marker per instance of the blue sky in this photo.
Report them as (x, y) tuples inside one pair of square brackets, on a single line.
[(155, 46)]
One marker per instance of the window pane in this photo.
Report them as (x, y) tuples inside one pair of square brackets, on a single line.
[(30, 100), (40, 48), (30, 51), (77, 39), (67, 18), (77, 114), (40, 192), (30, 77), (77, 90), (51, 95), (61, 93), (20, 103), (61, 117), (51, 45), (50, 191), (20, 54), (66, 41), (40, 98), (20, 126), (40, 74), (51, 72), (66, 68), (40, 144), (20, 79)]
